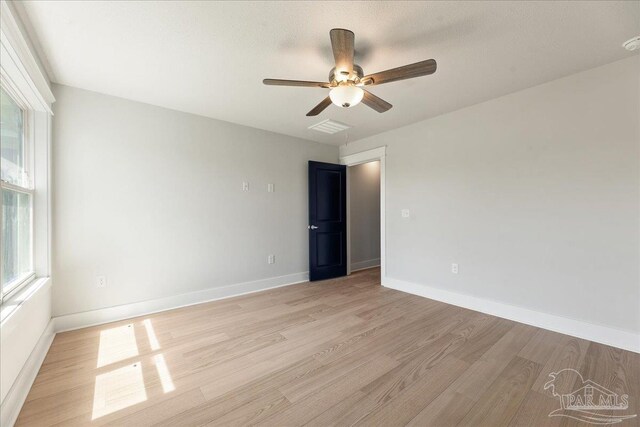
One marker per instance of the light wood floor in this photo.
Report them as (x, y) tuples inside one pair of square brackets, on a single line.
[(339, 352)]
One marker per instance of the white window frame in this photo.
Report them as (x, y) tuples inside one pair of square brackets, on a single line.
[(14, 286), (24, 79)]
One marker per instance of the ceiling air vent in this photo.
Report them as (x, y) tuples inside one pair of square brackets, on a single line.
[(329, 126)]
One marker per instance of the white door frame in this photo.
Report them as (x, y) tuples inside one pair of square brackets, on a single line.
[(356, 159)]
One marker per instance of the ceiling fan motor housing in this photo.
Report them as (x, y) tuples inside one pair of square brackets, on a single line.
[(343, 75)]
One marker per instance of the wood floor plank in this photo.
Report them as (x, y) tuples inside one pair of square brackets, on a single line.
[(342, 413), (534, 410), (254, 411), (474, 381), (216, 408), (303, 387), (448, 409), (339, 352), (336, 391), (155, 413), (569, 354), (404, 397), (500, 402), (616, 370)]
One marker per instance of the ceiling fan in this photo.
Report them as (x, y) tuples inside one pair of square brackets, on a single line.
[(346, 79)]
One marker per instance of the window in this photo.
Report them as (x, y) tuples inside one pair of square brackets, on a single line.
[(17, 195), (25, 147)]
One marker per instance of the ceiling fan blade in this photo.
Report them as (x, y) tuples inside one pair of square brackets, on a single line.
[(378, 104), (342, 43), (320, 107), (410, 71), (300, 83)]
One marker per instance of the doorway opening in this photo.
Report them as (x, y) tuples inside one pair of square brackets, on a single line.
[(363, 216), (366, 237)]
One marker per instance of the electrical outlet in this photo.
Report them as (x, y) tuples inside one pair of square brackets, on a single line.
[(101, 281), (271, 259), (406, 213), (245, 186), (454, 268)]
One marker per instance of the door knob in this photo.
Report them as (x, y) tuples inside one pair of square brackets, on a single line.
[(312, 227)]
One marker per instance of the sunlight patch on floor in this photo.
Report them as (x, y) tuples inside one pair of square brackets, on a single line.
[(151, 334), (163, 373), (117, 344), (118, 389)]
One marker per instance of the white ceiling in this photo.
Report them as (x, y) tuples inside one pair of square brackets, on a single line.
[(209, 58)]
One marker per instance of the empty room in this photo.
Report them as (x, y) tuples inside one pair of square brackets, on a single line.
[(320, 213)]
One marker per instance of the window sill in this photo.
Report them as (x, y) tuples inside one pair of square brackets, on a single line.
[(16, 285), (12, 304)]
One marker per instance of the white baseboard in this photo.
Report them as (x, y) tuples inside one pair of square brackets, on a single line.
[(13, 401), (111, 314), (362, 265), (626, 340)]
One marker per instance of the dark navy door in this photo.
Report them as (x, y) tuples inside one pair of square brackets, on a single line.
[(327, 220)]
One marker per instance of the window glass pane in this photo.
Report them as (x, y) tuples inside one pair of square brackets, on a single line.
[(12, 141), (16, 236)]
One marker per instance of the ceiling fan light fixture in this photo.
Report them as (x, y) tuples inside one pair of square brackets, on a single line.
[(346, 96), (347, 78)]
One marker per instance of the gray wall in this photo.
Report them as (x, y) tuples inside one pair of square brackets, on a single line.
[(535, 195), (152, 198), (364, 214)]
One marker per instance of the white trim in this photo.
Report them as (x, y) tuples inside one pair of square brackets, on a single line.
[(12, 403), (111, 314), (364, 156), (12, 304), (348, 170), (35, 47), (380, 154), (19, 51), (42, 197), (13, 287), (363, 265), (17, 188), (626, 340)]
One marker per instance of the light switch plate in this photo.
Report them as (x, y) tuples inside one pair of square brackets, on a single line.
[(270, 188), (406, 213)]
